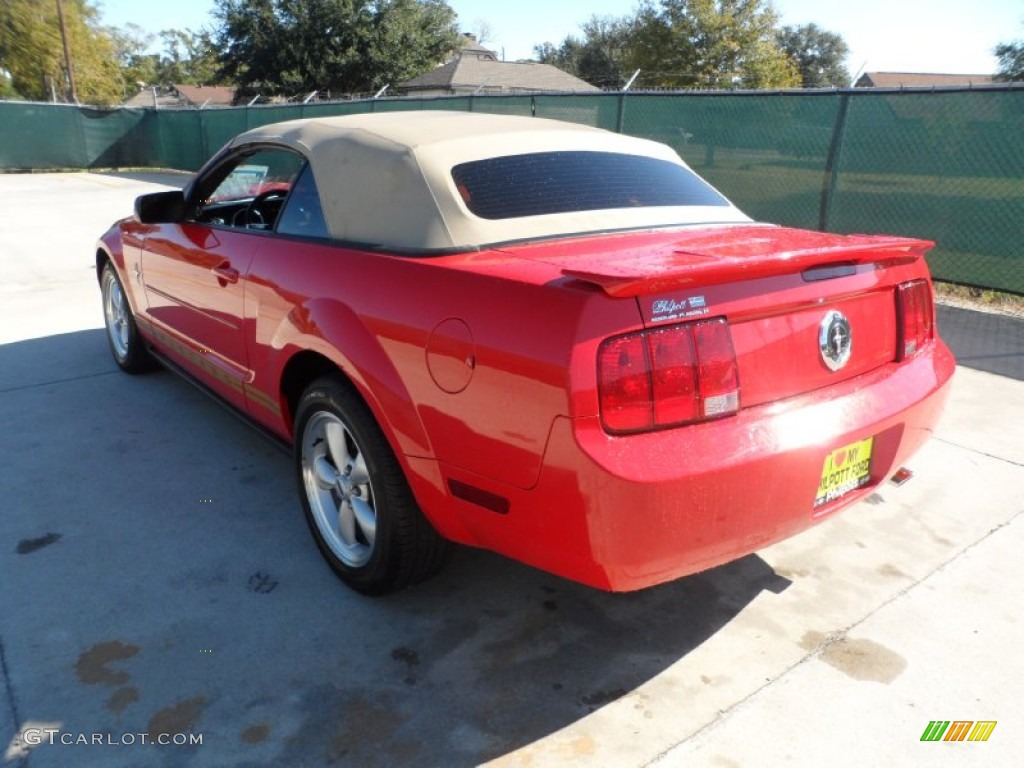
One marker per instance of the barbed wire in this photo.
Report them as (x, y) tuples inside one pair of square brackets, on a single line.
[(328, 97)]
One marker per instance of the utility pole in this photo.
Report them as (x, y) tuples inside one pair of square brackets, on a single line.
[(67, 51)]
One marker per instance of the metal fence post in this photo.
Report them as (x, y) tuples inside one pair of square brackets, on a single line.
[(80, 130), (200, 118), (835, 150)]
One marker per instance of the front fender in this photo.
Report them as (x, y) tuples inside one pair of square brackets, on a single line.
[(121, 245), (108, 248)]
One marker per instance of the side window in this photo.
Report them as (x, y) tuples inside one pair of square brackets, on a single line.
[(302, 214), (248, 191)]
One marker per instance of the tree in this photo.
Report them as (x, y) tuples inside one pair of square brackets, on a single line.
[(710, 44), (276, 47), (483, 31), (599, 58), (818, 55), (1011, 61), (7, 88), (32, 52), (130, 45), (188, 58)]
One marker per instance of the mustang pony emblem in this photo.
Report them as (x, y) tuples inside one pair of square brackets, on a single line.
[(835, 340)]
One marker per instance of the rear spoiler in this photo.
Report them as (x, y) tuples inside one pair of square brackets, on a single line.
[(744, 254)]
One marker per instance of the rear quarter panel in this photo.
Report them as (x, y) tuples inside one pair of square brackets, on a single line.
[(380, 317)]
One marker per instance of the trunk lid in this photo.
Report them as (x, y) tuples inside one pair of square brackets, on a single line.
[(656, 262), (777, 288)]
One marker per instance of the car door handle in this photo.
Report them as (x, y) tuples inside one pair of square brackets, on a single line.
[(226, 273)]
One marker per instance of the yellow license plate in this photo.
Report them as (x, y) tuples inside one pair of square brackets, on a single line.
[(846, 469)]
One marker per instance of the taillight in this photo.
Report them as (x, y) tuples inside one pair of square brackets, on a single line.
[(673, 375), (916, 316), (625, 383), (667, 376), (717, 374)]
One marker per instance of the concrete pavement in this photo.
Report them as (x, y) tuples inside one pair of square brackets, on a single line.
[(156, 575)]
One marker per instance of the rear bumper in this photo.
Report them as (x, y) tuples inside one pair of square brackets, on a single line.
[(623, 513)]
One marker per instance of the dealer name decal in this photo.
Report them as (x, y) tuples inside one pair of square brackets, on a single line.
[(673, 309)]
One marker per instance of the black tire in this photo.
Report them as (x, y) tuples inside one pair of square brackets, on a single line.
[(126, 345), (346, 470)]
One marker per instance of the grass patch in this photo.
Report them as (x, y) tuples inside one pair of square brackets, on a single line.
[(973, 297)]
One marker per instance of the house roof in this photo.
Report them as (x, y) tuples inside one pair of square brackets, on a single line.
[(405, 197), (919, 80), (183, 96), (470, 45), (218, 95), (477, 68), (154, 97)]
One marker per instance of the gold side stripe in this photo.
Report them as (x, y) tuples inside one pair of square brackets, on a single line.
[(263, 399), (205, 365)]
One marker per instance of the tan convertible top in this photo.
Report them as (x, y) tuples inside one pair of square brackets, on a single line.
[(385, 178)]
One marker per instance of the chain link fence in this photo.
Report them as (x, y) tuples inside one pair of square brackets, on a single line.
[(946, 164)]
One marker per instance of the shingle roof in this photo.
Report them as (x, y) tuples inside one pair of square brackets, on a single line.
[(472, 48), (918, 80), (220, 95), (473, 70), (147, 98), (183, 96)]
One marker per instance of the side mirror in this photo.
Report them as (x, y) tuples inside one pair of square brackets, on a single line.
[(160, 207)]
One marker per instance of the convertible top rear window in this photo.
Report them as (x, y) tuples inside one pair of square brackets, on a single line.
[(561, 182)]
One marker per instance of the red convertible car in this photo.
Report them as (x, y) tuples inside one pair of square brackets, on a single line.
[(540, 338)]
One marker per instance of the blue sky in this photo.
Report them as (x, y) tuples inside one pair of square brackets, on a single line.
[(884, 35)]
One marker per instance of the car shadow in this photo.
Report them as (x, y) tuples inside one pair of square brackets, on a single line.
[(173, 535)]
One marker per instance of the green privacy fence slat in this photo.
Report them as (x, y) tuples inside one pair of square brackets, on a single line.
[(944, 165), (949, 167), (116, 138), (218, 127), (327, 110), (179, 142), (40, 136), (507, 105), (599, 112), (766, 153)]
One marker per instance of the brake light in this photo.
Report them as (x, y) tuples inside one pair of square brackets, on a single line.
[(673, 376), (916, 314), (667, 376), (625, 383)]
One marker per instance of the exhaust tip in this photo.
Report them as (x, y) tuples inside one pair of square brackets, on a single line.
[(902, 476)]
